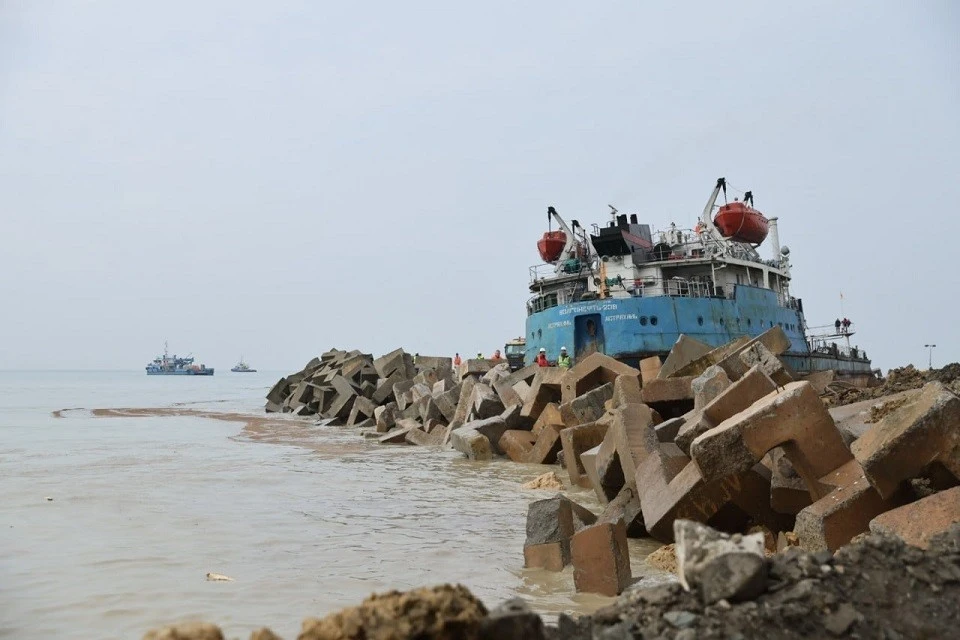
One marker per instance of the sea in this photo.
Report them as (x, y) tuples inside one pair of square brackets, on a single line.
[(122, 491)]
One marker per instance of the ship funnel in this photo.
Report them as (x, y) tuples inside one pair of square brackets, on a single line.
[(774, 238)]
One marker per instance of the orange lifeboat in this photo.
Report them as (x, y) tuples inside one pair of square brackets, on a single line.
[(742, 223), (551, 245)]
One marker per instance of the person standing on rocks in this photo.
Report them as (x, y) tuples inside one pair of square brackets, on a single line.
[(542, 358), (564, 361), (456, 360), (496, 356)]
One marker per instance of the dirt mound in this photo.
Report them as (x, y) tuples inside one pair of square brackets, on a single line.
[(897, 380), (877, 587), (438, 613), (947, 374)]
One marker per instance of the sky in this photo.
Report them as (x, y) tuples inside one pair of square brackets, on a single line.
[(276, 179)]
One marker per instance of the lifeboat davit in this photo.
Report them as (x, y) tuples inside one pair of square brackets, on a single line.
[(742, 223), (551, 245)]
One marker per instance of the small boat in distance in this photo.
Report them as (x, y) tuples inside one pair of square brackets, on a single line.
[(242, 367), (175, 366)]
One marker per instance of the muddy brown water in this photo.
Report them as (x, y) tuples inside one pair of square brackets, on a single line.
[(306, 519)]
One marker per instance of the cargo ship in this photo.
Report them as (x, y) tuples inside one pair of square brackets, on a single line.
[(166, 365), (629, 292)]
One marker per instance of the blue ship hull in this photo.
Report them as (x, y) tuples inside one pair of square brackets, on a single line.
[(630, 329)]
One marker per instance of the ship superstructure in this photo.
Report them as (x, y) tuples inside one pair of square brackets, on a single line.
[(630, 292), (167, 365)]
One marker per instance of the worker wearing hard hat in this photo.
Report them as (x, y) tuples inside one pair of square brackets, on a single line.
[(542, 358), (564, 360)]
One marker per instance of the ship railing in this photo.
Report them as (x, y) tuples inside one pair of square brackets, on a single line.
[(831, 331), (835, 349)]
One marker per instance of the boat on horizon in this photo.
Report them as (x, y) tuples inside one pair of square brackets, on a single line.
[(242, 367), (630, 293), (166, 365)]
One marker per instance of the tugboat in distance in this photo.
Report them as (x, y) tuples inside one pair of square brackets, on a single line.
[(166, 366), (242, 367)]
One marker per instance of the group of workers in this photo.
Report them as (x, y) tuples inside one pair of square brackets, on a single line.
[(564, 361), (842, 326)]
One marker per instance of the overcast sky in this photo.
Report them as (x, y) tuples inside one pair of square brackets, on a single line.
[(277, 178)]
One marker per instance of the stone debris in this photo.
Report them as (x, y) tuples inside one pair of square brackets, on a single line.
[(724, 436), (216, 577), (549, 480)]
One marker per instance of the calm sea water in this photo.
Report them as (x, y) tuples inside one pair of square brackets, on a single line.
[(306, 519)]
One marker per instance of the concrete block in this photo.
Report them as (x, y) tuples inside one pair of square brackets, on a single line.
[(708, 385), (492, 429), (549, 416), (833, 520), (517, 444), (474, 368), (668, 429), (712, 358), (738, 396), (589, 461), (471, 443), (918, 522), (421, 390), (757, 355), (555, 519), (485, 402), (511, 416), (667, 390), (625, 507), (924, 430), (794, 418), (464, 402), (626, 390), (447, 402), (591, 372), (361, 410), (588, 407), (552, 556), (398, 435), (684, 351), (389, 363), (615, 459), (576, 440), (421, 438), (788, 492), (547, 446), (401, 393), (428, 409), (601, 559), (650, 369), (545, 388)]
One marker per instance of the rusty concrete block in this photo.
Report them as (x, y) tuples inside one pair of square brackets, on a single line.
[(708, 385), (615, 459), (649, 369), (626, 390), (738, 396), (552, 556), (549, 416), (924, 430), (833, 520), (545, 388), (547, 446), (591, 372), (794, 418), (916, 523), (576, 440), (684, 351), (601, 559), (517, 444), (588, 407)]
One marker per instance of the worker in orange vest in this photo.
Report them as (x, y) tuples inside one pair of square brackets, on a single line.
[(496, 355), (456, 360), (542, 358)]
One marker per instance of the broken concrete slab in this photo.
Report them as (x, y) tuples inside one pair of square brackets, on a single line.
[(717, 565), (922, 431), (918, 522), (601, 559)]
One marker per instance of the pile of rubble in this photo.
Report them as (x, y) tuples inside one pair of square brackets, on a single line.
[(876, 587), (838, 393), (724, 436)]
